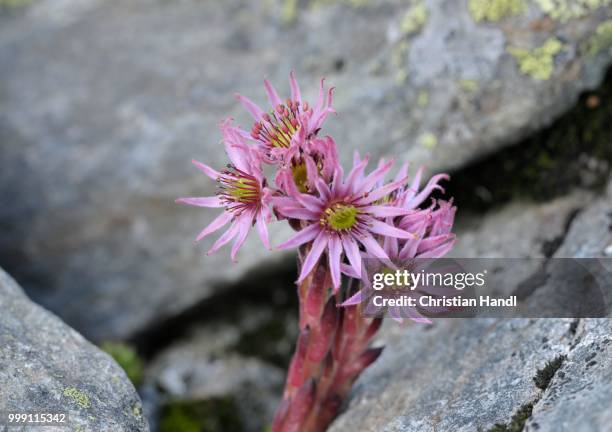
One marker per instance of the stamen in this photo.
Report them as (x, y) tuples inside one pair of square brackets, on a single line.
[(238, 190), (278, 126), (339, 217)]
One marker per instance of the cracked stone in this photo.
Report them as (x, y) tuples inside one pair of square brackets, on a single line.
[(105, 103), (45, 366)]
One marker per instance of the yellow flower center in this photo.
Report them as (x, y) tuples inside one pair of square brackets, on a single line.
[(300, 176), (340, 217), (244, 190)]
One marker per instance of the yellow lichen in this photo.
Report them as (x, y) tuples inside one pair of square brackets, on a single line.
[(79, 398), (428, 140), (423, 99), (400, 77), (398, 53), (414, 18), (289, 11), (468, 85), (601, 40), (540, 62), (564, 10), (494, 10)]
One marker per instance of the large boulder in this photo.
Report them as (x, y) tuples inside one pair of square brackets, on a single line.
[(104, 104), (505, 375), (47, 367), (473, 374)]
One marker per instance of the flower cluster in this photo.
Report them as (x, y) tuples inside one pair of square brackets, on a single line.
[(338, 215), (341, 222)]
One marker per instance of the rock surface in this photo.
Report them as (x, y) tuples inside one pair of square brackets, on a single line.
[(465, 374), (45, 366), (104, 104), (455, 376)]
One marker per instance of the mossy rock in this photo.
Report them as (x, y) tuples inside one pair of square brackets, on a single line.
[(211, 415), (127, 357), (574, 151)]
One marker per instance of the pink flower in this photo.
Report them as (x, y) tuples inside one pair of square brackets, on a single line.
[(280, 130), (242, 192), (433, 239), (341, 216)]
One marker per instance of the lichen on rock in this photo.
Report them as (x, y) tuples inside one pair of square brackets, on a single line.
[(602, 39), (414, 18), (564, 10), (494, 10), (78, 397), (538, 63)]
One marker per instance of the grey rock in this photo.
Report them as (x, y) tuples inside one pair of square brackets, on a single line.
[(45, 366), (465, 374), (461, 375), (104, 104), (578, 399), (209, 364)]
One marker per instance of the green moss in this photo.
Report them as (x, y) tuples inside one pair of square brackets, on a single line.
[(267, 341), (211, 415), (547, 164), (517, 423), (540, 62), (78, 397), (602, 39), (494, 10), (564, 10), (546, 374), (414, 18), (125, 355)]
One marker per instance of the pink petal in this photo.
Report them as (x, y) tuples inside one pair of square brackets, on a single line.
[(386, 210), (433, 242), (374, 177), (353, 300), (336, 187), (317, 248), (295, 88), (373, 247), (245, 225), (432, 184), (251, 107), (225, 238), (219, 221), (302, 236), (384, 229), (349, 271), (410, 247), (272, 95), (439, 251), (355, 174), (402, 172), (262, 230), (312, 173), (201, 201), (323, 189), (213, 174), (298, 213), (382, 192), (351, 250), (335, 252), (390, 245), (308, 201)]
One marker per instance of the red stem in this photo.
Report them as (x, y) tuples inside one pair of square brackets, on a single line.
[(331, 352)]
